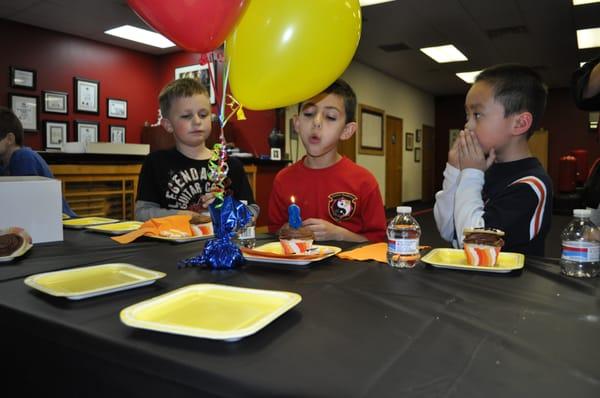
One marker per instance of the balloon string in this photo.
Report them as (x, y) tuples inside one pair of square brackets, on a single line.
[(224, 93)]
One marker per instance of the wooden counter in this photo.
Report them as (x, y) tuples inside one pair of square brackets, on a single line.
[(106, 185)]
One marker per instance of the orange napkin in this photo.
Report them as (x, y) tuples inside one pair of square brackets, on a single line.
[(375, 251), (162, 226)]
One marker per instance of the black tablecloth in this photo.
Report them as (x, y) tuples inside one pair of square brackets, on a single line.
[(362, 329)]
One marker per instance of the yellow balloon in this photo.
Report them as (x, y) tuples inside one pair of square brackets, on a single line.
[(285, 51)]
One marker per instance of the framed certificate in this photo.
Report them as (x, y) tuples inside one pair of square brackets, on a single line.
[(86, 95)]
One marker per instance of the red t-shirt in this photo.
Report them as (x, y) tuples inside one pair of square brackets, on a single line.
[(344, 194)]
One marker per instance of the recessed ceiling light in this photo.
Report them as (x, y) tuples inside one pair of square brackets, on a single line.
[(468, 77), (141, 36), (588, 38), (443, 54), (364, 3), (580, 2)]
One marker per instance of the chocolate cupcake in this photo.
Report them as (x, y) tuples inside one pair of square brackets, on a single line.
[(10, 243), (201, 225), (482, 246), (296, 240)]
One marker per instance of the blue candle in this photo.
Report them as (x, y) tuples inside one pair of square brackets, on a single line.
[(294, 215)]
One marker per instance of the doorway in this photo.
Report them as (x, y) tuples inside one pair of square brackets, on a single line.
[(428, 165), (393, 161)]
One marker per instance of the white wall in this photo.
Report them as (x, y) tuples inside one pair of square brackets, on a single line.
[(413, 106)]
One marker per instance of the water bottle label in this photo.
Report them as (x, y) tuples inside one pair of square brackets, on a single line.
[(248, 233), (585, 252), (403, 246)]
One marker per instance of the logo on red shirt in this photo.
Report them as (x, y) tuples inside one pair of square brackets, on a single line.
[(342, 206)]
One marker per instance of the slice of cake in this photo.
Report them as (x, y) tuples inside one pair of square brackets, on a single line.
[(296, 240), (482, 246)]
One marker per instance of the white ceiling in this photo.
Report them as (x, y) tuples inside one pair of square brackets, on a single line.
[(538, 33)]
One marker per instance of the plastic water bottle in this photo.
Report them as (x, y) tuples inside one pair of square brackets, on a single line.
[(580, 247), (403, 234), (246, 236)]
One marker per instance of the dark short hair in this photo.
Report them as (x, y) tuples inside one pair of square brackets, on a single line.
[(179, 88), (10, 123), (343, 89), (519, 89)]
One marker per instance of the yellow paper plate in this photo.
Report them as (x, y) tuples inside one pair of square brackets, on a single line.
[(456, 259), (210, 311), (276, 248), (80, 283), (87, 221), (117, 228)]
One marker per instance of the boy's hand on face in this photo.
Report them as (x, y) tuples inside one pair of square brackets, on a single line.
[(471, 153), (324, 230), (453, 155)]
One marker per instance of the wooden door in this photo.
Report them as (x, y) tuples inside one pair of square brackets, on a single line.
[(538, 146), (393, 161), (428, 164), (348, 148)]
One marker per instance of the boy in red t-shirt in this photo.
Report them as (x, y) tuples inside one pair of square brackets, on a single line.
[(339, 199)]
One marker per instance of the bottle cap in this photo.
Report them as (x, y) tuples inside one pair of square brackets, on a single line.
[(403, 209), (582, 212)]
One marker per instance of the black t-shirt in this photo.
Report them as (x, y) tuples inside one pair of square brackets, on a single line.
[(175, 181), (518, 200)]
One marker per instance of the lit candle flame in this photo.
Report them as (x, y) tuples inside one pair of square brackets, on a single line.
[(293, 199)]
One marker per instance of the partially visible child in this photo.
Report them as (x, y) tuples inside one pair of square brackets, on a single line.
[(19, 160), (339, 199), (176, 181), (491, 179)]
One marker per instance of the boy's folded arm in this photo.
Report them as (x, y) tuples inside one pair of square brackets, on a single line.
[(443, 210), (468, 205), (145, 210)]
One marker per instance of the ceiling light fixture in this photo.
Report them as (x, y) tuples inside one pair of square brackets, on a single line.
[(468, 77), (588, 38), (364, 3), (443, 54), (580, 2), (143, 36)]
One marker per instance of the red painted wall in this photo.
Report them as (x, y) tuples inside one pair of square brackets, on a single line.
[(567, 129), (58, 57), (123, 73)]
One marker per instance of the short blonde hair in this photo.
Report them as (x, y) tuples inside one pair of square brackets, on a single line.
[(179, 88)]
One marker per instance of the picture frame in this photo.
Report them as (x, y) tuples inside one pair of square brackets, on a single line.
[(371, 126), (86, 93), (26, 109), (418, 133), (22, 78), (409, 142), (86, 131), (275, 153), (200, 73), (56, 102), (417, 155), (116, 108), (56, 133), (116, 134)]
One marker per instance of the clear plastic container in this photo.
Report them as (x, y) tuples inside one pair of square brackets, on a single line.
[(580, 246), (246, 236), (404, 234)]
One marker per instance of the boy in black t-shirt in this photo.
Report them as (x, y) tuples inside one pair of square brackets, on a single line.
[(491, 179), (176, 181)]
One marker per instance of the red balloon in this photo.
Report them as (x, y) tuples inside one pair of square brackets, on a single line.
[(194, 25)]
